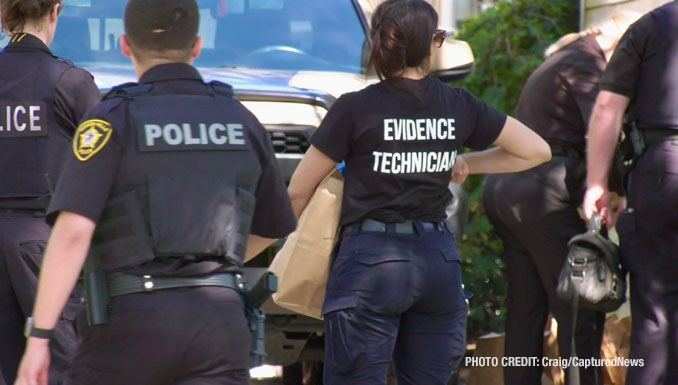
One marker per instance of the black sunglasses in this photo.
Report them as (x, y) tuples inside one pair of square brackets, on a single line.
[(439, 37)]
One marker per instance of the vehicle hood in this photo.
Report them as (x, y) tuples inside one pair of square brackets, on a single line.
[(315, 83)]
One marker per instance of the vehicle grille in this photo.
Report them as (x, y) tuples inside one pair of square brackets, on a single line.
[(289, 142)]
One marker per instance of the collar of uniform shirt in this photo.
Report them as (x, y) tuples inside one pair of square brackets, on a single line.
[(170, 71), (26, 41)]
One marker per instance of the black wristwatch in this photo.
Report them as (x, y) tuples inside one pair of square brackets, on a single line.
[(31, 331)]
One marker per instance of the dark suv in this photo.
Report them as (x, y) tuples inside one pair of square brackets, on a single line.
[(288, 60)]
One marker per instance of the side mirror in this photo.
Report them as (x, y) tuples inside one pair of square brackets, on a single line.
[(453, 61)]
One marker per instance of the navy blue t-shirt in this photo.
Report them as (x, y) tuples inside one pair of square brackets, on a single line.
[(399, 139)]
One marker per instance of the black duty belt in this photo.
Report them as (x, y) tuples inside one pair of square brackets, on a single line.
[(34, 213), (567, 151), (122, 284), (653, 136), (407, 227)]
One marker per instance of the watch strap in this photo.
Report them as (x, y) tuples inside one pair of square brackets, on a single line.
[(32, 331), (41, 333)]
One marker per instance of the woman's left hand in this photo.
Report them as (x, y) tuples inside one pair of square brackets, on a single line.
[(34, 366), (460, 171)]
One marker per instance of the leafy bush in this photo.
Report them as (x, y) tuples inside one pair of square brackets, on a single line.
[(508, 42)]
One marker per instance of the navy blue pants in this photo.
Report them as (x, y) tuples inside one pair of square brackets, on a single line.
[(23, 237), (648, 233), (187, 336), (394, 297)]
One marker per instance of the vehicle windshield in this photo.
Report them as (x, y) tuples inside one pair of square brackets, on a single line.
[(315, 35)]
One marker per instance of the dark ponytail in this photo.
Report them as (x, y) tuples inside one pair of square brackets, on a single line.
[(401, 36), (15, 13)]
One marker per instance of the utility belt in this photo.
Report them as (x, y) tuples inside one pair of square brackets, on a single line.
[(636, 141), (408, 227), (32, 213), (100, 287)]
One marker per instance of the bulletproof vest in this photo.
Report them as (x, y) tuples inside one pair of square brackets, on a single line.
[(33, 146), (186, 181), (656, 98)]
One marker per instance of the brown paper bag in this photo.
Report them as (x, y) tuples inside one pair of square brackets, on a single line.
[(303, 263)]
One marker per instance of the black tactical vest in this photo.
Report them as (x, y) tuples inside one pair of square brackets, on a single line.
[(655, 104), (33, 145), (186, 181)]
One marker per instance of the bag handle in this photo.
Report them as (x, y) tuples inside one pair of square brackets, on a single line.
[(595, 223)]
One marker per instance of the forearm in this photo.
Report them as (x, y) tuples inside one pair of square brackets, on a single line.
[(65, 255), (255, 245), (602, 140), (498, 161)]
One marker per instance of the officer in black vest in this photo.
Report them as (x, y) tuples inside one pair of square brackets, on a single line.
[(643, 76), (166, 179), (42, 100)]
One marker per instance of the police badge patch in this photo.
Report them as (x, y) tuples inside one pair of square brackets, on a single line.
[(90, 138)]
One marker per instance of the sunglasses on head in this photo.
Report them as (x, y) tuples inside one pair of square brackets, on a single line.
[(439, 37)]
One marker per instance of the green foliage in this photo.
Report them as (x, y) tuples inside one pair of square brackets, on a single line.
[(508, 42)]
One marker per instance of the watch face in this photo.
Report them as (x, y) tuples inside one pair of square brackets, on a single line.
[(28, 327)]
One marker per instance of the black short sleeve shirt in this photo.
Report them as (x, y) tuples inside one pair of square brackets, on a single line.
[(622, 73), (86, 186), (558, 98), (399, 139)]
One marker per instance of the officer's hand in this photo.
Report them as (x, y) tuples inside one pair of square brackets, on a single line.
[(35, 363), (460, 170), (597, 200)]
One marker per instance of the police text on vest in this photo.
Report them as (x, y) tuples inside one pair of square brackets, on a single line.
[(188, 135), (22, 119)]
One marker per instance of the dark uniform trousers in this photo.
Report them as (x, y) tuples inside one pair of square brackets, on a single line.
[(23, 236), (535, 214), (648, 233), (394, 297), (187, 336)]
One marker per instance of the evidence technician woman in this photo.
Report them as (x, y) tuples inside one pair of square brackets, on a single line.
[(394, 290)]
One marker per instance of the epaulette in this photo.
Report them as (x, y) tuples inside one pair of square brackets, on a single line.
[(66, 61), (128, 91), (221, 88)]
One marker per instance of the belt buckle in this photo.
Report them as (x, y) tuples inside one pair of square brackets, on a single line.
[(148, 283)]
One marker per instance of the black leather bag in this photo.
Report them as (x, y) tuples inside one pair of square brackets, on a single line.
[(593, 277)]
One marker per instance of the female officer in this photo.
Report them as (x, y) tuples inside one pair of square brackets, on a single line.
[(395, 286), (535, 212), (42, 99)]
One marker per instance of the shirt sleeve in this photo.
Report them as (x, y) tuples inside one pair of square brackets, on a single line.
[(583, 86), (84, 186), (75, 95), (621, 74), (335, 134), (273, 215), (487, 122)]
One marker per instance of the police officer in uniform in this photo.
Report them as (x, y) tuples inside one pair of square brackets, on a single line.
[(42, 100), (165, 178), (643, 76), (535, 212), (395, 291)]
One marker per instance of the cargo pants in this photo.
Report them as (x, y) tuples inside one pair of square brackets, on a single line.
[(394, 297)]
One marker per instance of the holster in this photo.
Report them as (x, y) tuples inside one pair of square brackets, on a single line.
[(255, 297), (96, 293)]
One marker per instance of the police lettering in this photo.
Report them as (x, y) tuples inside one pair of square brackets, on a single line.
[(22, 120), (202, 134)]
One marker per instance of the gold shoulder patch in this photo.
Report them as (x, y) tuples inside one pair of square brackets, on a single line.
[(90, 138)]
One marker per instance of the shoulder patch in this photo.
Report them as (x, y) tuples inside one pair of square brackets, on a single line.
[(90, 138)]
